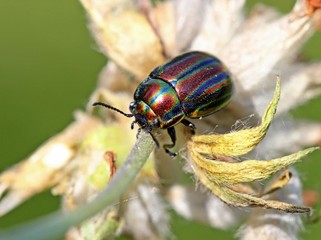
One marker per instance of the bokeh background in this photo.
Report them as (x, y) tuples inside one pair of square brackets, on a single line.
[(48, 67)]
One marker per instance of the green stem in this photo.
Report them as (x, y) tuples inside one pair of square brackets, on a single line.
[(55, 225)]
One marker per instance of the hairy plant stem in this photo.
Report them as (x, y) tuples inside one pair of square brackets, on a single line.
[(55, 225)]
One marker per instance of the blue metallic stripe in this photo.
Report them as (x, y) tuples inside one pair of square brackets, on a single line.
[(194, 69), (206, 84)]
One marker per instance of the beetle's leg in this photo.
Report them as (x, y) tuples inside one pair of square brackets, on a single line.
[(149, 130), (172, 134), (190, 125), (155, 140), (138, 132), (132, 125)]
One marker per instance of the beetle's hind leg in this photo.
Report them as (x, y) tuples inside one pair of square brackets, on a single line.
[(190, 125), (149, 130), (172, 134), (155, 140)]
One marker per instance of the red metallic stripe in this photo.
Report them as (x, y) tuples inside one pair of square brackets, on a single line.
[(172, 69), (185, 87)]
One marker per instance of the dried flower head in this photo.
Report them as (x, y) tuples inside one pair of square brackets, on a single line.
[(86, 163)]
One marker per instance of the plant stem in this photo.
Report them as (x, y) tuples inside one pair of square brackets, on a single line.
[(55, 225)]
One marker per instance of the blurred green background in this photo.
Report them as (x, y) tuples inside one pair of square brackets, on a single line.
[(48, 67)]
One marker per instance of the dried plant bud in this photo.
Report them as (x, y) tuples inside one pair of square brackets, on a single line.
[(124, 33), (219, 175), (239, 142), (48, 165), (136, 36), (269, 224), (278, 183)]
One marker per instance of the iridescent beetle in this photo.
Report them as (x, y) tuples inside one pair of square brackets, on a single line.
[(193, 85)]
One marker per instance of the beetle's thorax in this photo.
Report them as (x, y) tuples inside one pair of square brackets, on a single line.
[(144, 115)]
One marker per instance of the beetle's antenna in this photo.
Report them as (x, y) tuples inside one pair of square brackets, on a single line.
[(113, 108)]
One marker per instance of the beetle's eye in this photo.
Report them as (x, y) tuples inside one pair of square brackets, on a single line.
[(132, 106)]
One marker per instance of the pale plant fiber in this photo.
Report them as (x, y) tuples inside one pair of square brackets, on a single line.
[(136, 36)]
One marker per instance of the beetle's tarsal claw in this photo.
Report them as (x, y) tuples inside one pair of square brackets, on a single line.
[(172, 134), (171, 154), (132, 125)]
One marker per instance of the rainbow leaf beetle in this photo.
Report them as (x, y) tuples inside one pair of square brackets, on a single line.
[(192, 85)]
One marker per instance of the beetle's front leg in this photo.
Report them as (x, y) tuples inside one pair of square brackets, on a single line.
[(172, 134), (190, 125), (138, 132), (132, 125)]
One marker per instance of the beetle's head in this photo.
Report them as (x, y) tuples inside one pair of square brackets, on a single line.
[(144, 115)]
